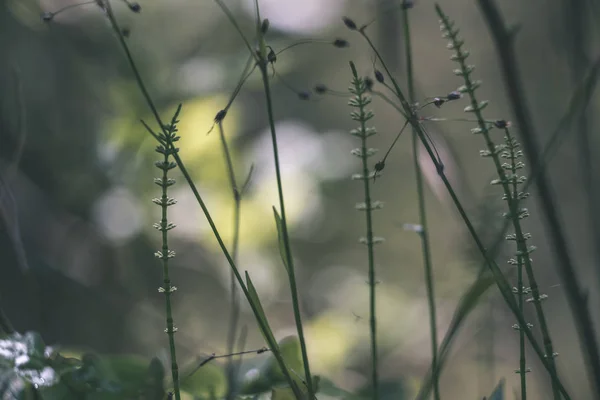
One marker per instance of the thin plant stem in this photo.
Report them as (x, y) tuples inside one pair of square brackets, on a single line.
[(286, 239), (515, 212), (361, 101), (262, 65), (502, 283), (577, 298), (165, 255), (424, 232), (256, 308), (235, 306), (511, 146)]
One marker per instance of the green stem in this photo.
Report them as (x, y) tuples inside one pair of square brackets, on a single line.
[(520, 289), (235, 306), (167, 281), (359, 89), (424, 234), (286, 239), (502, 283)]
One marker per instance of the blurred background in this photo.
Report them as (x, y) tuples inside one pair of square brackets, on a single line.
[(76, 236)]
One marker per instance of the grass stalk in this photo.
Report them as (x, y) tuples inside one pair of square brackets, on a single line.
[(577, 298), (262, 61), (360, 100), (424, 233), (285, 233)]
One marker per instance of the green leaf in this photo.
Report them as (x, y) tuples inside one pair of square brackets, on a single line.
[(498, 393), (154, 384), (207, 381), (329, 388), (262, 319), (282, 248)]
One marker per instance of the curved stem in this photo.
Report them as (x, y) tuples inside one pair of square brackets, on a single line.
[(288, 251)]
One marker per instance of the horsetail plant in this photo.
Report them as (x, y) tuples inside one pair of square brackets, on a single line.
[(512, 153), (513, 198), (359, 101), (410, 113), (247, 286), (167, 148)]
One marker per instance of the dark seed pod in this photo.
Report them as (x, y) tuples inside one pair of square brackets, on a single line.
[(349, 23), (220, 116), (135, 7), (320, 88), (264, 27), (341, 43), (453, 96), (379, 76), (438, 102), (304, 95), (369, 83), (47, 16), (379, 166), (501, 124)]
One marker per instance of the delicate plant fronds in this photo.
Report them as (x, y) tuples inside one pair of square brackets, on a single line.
[(164, 226), (502, 283), (577, 298), (252, 297), (359, 101), (424, 231), (511, 195)]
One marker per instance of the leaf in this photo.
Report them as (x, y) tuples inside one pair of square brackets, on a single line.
[(260, 314), (498, 393), (154, 384), (282, 248), (329, 388), (208, 381), (290, 350)]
